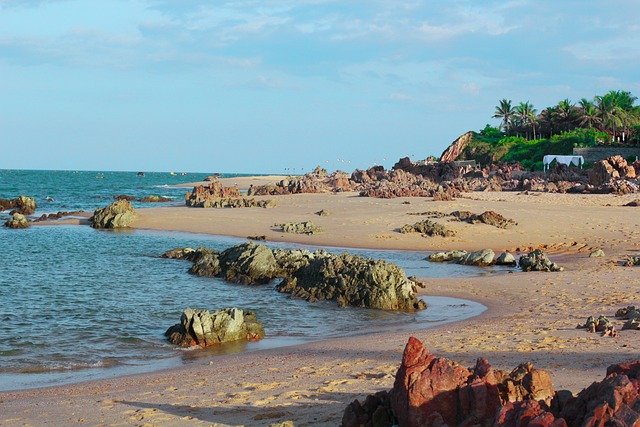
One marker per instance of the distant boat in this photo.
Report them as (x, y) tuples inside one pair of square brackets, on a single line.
[(49, 199), (183, 174), (100, 175), (172, 173), (140, 173)]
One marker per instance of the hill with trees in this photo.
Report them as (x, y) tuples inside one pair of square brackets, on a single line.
[(525, 136)]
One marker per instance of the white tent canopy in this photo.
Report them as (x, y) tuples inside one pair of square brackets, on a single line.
[(565, 160)]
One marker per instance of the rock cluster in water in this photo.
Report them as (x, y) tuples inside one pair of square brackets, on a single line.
[(18, 221), (119, 214), (433, 391), (217, 196), (23, 205), (347, 279), (202, 328)]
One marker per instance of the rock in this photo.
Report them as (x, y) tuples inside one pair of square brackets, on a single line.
[(291, 260), (18, 221), (427, 228), (188, 254), (633, 203), (601, 324), (597, 253), (155, 199), (124, 197), (26, 205), (506, 258), (323, 212), (305, 227), (481, 258), (608, 170), (612, 402), (488, 217), (249, 264), (431, 390), (54, 216), (631, 261), (119, 214), (374, 412), (206, 263), (454, 256), (260, 238), (537, 261), (199, 327), (456, 148), (351, 280), (217, 196)]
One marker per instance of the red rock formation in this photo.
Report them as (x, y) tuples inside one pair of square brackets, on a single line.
[(452, 152)]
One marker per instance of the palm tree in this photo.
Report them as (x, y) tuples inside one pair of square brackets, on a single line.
[(610, 112), (566, 113), (505, 112), (588, 113), (526, 115)]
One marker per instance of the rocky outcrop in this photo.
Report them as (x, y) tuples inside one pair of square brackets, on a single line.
[(433, 391), (488, 217), (124, 197), (454, 151), (317, 181), (427, 228), (217, 196), (119, 214), (351, 280), (607, 170), (537, 261), (18, 221), (305, 227), (23, 205), (202, 328)]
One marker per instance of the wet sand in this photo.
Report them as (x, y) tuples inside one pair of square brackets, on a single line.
[(531, 316)]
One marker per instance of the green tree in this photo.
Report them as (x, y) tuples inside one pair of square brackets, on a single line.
[(526, 115), (504, 111), (588, 114)]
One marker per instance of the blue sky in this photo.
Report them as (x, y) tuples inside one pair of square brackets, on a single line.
[(278, 86)]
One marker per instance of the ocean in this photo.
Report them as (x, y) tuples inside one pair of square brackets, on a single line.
[(80, 304)]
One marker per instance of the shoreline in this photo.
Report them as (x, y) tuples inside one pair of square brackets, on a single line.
[(530, 316)]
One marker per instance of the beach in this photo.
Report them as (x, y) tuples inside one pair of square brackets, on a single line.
[(530, 317)]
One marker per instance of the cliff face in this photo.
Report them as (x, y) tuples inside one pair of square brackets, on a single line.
[(452, 153)]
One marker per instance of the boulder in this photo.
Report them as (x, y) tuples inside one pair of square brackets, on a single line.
[(537, 261), (26, 205), (596, 254), (249, 264), (119, 214), (188, 254), (199, 327), (18, 221), (456, 148), (481, 258), (506, 258), (351, 280), (454, 256)]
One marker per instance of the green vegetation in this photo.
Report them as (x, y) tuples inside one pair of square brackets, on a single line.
[(525, 136)]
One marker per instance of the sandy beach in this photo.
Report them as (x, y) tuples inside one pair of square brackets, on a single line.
[(530, 317)]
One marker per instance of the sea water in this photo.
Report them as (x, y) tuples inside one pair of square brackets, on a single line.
[(78, 303)]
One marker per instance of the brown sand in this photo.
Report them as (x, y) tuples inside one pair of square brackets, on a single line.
[(531, 316)]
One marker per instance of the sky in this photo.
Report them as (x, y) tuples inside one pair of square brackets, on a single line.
[(282, 86)]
